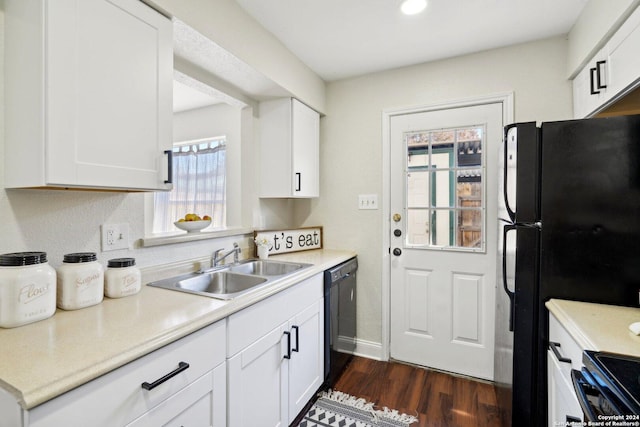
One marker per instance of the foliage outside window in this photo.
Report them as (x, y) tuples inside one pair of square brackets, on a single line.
[(199, 185)]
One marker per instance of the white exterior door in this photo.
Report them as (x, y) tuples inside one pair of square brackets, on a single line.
[(443, 206)]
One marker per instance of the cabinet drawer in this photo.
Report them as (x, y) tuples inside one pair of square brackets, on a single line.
[(195, 405), (248, 325), (566, 347), (118, 398)]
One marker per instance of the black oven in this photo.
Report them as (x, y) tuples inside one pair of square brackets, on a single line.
[(608, 387)]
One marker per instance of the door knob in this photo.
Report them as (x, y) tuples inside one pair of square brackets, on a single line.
[(396, 217), (397, 251)]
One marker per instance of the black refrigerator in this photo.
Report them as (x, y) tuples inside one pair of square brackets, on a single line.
[(570, 221)]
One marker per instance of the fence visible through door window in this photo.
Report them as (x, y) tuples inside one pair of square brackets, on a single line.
[(445, 187)]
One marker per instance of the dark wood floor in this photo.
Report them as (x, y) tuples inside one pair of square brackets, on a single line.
[(437, 399)]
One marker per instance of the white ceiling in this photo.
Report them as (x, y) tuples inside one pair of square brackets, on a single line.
[(344, 38)]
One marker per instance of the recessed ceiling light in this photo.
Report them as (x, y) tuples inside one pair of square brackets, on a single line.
[(413, 7)]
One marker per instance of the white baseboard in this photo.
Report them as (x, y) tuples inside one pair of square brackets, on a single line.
[(368, 349)]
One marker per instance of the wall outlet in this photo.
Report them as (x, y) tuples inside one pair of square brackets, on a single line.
[(115, 236), (368, 201)]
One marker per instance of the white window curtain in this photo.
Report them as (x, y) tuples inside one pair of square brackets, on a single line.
[(199, 185)]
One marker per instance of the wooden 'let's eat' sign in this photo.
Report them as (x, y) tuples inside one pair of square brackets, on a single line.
[(283, 241)]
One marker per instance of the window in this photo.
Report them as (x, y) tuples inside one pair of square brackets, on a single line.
[(445, 206), (199, 185)]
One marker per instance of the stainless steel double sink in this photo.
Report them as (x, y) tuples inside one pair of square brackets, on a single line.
[(230, 281)]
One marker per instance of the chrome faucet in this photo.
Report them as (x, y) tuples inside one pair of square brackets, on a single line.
[(217, 258)]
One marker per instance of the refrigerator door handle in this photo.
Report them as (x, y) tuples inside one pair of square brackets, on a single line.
[(509, 131), (511, 294)]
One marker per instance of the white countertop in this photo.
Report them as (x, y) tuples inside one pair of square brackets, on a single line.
[(42, 360), (598, 326)]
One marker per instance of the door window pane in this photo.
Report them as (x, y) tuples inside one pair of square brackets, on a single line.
[(445, 188)]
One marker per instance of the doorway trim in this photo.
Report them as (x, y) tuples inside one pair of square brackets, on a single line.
[(504, 98)]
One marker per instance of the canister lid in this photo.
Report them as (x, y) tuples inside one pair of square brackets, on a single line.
[(80, 257), (17, 259), (121, 262)]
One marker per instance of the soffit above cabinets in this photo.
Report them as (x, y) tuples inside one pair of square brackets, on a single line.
[(202, 65)]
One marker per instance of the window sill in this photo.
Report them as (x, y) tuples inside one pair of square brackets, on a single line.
[(182, 237)]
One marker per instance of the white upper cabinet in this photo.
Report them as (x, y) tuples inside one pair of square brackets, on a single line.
[(611, 73), (88, 94), (591, 85), (289, 149), (624, 61)]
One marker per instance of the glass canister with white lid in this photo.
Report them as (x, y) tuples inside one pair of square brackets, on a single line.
[(80, 281), (122, 278), (27, 288)]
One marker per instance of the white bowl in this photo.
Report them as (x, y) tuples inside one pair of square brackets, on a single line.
[(192, 226)]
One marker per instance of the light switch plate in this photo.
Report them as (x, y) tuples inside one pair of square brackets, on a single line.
[(368, 201)]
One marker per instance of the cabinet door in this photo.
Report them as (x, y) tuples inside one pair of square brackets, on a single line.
[(108, 94), (306, 136), (563, 406), (257, 379), (591, 86), (289, 149), (306, 367), (624, 61)]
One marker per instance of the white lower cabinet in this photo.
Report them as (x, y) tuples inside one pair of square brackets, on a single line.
[(258, 367), (564, 355), (276, 360), (196, 392), (563, 407)]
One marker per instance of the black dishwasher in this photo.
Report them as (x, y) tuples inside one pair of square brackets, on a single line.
[(339, 318)]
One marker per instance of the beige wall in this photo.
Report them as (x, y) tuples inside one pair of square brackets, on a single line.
[(351, 140)]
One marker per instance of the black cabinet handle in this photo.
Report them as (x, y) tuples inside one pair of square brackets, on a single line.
[(182, 366), (288, 355), (599, 84), (592, 81), (297, 348), (595, 78), (554, 346), (169, 154), (298, 181)]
